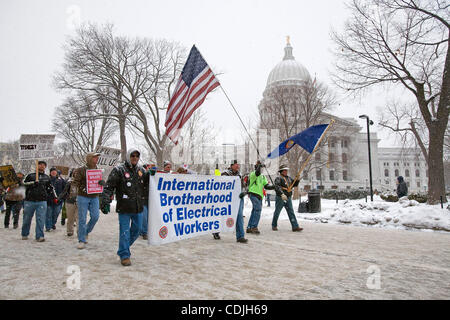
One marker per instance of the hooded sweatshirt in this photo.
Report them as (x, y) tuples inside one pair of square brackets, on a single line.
[(79, 177)]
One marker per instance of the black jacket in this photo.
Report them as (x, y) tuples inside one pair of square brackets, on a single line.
[(127, 183), (282, 183), (41, 192), (58, 184), (402, 189)]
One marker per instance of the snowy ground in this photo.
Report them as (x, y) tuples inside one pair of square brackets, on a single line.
[(324, 261)]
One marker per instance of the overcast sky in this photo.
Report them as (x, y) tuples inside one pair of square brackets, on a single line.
[(242, 40)]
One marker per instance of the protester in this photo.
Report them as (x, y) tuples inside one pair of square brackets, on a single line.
[(53, 209), (240, 234), (14, 201), (284, 198), (167, 167), (127, 182), (70, 195), (36, 195), (86, 201), (144, 228), (402, 188), (257, 182)]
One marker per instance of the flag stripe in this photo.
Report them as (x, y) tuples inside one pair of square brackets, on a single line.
[(193, 103), (178, 106), (195, 82)]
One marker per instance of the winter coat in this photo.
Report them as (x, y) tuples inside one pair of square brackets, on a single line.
[(69, 193), (79, 178), (402, 188), (58, 184), (15, 193), (127, 182), (40, 192), (282, 183)]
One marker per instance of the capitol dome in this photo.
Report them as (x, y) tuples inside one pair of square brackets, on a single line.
[(288, 71)]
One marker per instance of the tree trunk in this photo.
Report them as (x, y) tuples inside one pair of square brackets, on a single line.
[(123, 138), (436, 183)]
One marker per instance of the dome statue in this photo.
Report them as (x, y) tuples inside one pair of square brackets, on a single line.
[(288, 71)]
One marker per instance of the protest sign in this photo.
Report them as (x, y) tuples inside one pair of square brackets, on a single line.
[(93, 176), (9, 176), (185, 206), (36, 146), (109, 157)]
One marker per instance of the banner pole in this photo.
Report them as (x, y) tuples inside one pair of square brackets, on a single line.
[(37, 169)]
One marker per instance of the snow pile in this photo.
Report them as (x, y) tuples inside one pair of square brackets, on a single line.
[(404, 214)]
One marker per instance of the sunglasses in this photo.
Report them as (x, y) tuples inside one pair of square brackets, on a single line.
[(134, 156)]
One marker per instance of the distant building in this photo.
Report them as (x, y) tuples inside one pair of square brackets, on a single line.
[(342, 163)]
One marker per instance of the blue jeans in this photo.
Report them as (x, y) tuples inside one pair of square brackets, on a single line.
[(53, 211), (240, 221), (256, 212), (268, 200), (279, 204), (85, 204), (29, 207), (144, 228), (128, 234)]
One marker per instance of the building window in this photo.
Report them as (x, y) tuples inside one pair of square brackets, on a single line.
[(305, 175), (344, 175), (344, 158), (386, 181), (406, 173), (407, 184), (386, 172), (332, 142), (317, 156), (344, 143), (418, 184), (331, 156), (396, 173), (318, 174), (331, 175), (417, 173)]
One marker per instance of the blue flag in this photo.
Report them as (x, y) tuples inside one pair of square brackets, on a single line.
[(306, 139)]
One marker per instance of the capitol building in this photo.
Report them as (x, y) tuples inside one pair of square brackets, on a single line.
[(342, 160)]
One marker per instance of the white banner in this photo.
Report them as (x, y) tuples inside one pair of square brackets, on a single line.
[(183, 206), (36, 146), (109, 157)]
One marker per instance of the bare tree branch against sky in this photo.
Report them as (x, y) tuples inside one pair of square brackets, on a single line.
[(241, 40)]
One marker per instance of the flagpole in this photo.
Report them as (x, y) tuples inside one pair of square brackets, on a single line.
[(229, 100), (257, 150), (309, 158)]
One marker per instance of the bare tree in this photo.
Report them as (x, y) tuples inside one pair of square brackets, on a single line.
[(405, 43), (76, 122)]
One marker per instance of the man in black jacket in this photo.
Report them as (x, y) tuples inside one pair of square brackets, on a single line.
[(127, 182), (54, 208), (36, 195), (283, 198), (402, 188)]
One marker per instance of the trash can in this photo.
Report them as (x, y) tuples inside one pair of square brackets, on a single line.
[(314, 201)]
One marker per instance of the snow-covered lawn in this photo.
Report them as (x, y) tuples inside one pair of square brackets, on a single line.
[(324, 261), (405, 214)]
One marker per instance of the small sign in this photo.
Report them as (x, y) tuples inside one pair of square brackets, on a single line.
[(109, 157), (93, 176), (36, 146), (64, 170), (9, 176)]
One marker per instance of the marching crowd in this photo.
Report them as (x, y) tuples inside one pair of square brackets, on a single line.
[(46, 196)]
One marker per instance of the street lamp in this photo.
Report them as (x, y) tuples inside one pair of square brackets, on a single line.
[(369, 122)]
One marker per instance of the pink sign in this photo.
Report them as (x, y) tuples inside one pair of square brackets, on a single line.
[(93, 176)]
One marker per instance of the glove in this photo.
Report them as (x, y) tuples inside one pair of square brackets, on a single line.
[(284, 197), (242, 194), (102, 183), (55, 200), (152, 171), (105, 208)]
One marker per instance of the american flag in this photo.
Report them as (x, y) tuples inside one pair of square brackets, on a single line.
[(196, 81)]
